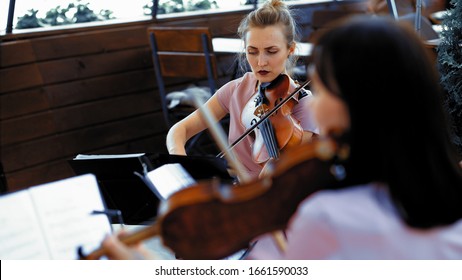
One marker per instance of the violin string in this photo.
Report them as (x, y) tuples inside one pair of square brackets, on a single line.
[(268, 138), (272, 137), (265, 127), (255, 125)]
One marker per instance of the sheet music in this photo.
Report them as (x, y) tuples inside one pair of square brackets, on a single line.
[(169, 178), (64, 209), (20, 234), (51, 221)]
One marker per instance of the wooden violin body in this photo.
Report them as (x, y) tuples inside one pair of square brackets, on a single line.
[(213, 221), (277, 106), (280, 130)]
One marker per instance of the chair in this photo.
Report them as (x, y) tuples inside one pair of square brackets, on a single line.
[(322, 19), (182, 53), (426, 31)]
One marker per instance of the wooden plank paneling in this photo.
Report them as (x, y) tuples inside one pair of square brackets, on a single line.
[(60, 169), (39, 175), (27, 128), (119, 108), (41, 151), (35, 100), (24, 102), (86, 90), (228, 29), (99, 98), (57, 71), (95, 42), (62, 70), (16, 53), (20, 77), (63, 46), (68, 118)]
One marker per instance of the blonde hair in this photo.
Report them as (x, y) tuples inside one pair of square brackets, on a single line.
[(272, 12)]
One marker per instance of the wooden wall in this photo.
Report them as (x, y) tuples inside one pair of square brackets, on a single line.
[(89, 90)]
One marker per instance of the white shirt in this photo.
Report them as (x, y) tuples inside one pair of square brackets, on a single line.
[(359, 223)]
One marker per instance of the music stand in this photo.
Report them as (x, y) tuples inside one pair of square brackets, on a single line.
[(121, 188)]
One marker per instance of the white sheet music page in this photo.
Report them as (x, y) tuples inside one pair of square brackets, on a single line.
[(170, 178), (64, 209), (20, 235)]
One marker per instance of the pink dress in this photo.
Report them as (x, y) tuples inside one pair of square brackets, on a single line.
[(236, 95)]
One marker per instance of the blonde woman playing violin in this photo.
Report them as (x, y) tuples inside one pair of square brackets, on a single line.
[(269, 38)]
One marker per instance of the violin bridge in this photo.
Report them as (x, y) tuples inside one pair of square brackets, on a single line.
[(261, 110)]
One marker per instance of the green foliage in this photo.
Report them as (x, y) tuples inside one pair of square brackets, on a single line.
[(171, 6), (178, 6), (73, 13), (29, 20), (57, 16), (201, 5), (449, 57)]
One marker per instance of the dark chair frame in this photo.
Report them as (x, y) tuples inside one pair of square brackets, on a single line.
[(192, 48), (182, 53)]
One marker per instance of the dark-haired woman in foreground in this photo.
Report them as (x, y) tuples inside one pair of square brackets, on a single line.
[(374, 84)]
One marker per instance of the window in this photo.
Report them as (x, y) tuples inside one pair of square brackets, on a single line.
[(35, 14), (32, 13)]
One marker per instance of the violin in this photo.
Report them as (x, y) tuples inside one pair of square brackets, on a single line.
[(280, 129), (288, 130), (211, 220)]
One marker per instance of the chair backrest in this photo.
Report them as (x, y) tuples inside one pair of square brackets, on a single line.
[(182, 52)]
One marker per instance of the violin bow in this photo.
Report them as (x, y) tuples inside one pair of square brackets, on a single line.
[(262, 119), (220, 137)]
